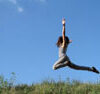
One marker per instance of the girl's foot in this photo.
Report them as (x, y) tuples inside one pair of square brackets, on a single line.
[(95, 70)]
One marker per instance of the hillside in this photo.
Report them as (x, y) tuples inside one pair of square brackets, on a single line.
[(48, 87)]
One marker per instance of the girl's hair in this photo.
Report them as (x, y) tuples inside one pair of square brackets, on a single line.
[(60, 41)]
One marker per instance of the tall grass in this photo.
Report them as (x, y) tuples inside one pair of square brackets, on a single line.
[(48, 87)]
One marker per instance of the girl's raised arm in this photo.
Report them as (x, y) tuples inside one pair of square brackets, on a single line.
[(63, 33)]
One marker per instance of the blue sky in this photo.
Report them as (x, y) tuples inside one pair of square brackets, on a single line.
[(29, 30)]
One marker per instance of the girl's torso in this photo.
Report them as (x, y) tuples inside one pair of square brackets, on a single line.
[(62, 51)]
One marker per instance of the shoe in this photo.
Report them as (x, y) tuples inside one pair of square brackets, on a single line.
[(95, 70)]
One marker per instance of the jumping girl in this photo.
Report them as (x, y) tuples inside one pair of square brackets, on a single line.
[(63, 61)]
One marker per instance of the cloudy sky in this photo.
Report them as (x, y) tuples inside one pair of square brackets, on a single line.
[(29, 30)]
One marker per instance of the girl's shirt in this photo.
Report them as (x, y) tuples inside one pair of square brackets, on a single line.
[(62, 51)]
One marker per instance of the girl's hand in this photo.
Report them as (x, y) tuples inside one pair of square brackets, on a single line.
[(63, 21)]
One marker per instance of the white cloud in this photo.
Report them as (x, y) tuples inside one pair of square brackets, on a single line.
[(13, 1), (16, 3), (20, 9)]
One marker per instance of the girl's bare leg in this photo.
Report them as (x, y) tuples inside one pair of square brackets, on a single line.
[(64, 61), (77, 67)]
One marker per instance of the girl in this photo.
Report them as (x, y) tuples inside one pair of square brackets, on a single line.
[(62, 44)]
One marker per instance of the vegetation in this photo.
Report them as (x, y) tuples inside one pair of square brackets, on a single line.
[(48, 87)]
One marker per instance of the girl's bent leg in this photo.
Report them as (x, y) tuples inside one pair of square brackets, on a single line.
[(62, 62), (61, 65)]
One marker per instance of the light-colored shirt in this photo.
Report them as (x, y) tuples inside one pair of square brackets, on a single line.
[(62, 51)]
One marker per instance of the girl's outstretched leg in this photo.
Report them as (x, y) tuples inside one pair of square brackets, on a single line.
[(77, 67)]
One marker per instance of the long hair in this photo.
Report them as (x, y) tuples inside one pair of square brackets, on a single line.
[(60, 41)]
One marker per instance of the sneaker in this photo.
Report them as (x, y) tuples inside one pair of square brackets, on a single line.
[(95, 70)]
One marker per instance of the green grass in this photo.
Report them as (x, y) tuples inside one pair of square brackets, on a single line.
[(48, 87)]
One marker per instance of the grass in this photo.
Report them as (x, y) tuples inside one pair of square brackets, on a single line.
[(48, 87)]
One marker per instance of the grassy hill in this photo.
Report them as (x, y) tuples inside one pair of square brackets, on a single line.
[(48, 87)]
